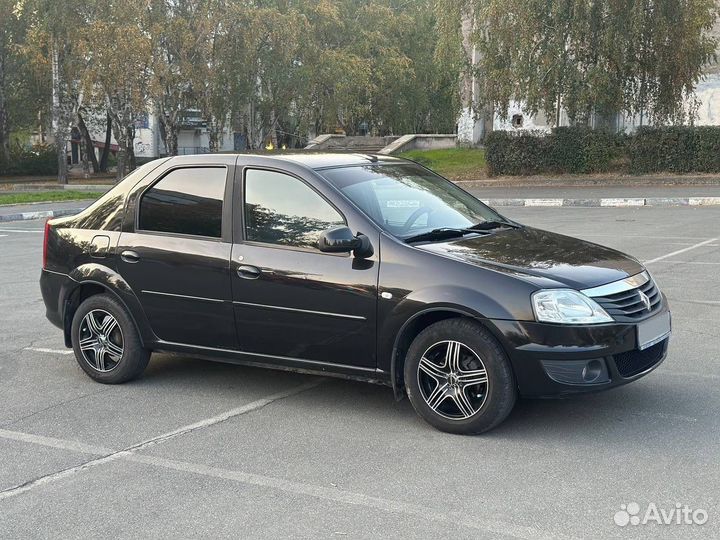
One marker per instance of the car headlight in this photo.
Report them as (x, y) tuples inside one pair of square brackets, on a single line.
[(566, 306)]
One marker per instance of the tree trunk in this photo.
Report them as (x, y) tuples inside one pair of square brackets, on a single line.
[(121, 133), (58, 118), (120, 171), (132, 158), (273, 132), (4, 124), (171, 141), (215, 138), (106, 149), (88, 143), (169, 133), (84, 159), (558, 109)]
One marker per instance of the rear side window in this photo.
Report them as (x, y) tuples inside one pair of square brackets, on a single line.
[(186, 201)]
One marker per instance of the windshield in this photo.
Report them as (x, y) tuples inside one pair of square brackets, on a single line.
[(406, 199)]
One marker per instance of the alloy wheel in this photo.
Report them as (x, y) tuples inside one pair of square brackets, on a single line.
[(453, 380), (101, 340)]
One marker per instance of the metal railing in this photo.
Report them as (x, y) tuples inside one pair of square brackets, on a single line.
[(190, 150)]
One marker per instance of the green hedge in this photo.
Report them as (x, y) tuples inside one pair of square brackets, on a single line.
[(565, 150), (582, 150), (675, 149), (35, 162)]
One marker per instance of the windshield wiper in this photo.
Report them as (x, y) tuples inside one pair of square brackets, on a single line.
[(442, 232), (483, 227), (489, 225)]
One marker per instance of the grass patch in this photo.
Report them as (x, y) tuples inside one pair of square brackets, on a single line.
[(46, 196), (453, 163)]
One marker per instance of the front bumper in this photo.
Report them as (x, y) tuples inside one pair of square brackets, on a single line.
[(559, 360)]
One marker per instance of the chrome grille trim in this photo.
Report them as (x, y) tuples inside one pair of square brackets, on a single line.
[(627, 284), (629, 299)]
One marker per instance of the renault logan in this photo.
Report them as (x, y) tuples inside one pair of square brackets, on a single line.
[(367, 267)]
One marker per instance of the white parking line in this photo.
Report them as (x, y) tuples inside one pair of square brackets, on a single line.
[(682, 374), (52, 442), (490, 527), (675, 261), (50, 351), (702, 302), (679, 251), (687, 244), (339, 496), (694, 238), (23, 230), (110, 455)]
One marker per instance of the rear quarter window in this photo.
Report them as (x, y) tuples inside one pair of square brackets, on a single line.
[(106, 214), (186, 201)]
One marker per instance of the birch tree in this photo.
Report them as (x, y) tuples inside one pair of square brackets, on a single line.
[(51, 43), (120, 53), (176, 44), (643, 57)]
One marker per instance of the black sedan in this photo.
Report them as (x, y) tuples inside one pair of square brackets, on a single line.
[(367, 267)]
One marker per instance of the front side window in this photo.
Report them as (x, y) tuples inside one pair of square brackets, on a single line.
[(406, 199), (280, 209), (186, 201)]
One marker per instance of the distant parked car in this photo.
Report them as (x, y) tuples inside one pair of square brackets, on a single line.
[(367, 267)]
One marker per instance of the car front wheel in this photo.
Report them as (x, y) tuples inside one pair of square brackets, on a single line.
[(106, 343), (458, 378)]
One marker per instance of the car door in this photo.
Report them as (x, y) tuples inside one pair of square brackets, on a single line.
[(174, 252), (292, 302)]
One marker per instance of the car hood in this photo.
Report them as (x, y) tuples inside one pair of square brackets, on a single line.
[(536, 253)]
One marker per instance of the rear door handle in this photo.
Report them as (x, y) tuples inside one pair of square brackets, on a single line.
[(246, 271), (129, 256)]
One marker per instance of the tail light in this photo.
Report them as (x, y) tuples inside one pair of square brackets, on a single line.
[(45, 243)]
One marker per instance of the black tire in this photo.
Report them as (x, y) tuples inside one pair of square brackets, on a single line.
[(118, 368), (482, 405)]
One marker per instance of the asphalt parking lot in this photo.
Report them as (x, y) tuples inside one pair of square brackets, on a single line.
[(201, 449)]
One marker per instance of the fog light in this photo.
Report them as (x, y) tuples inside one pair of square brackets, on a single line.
[(592, 370)]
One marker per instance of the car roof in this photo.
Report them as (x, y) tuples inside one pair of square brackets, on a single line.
[(322, 160), (313, 160)]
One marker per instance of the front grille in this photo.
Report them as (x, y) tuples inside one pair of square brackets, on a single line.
[(628, 305), (633, 362)]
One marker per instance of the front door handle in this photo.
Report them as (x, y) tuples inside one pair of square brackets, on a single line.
[(129, 256), (246, 271)]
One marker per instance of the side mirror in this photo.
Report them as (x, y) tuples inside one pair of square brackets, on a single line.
[(341, 240)]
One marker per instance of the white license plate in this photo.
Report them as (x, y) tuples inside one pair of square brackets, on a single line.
[(653, 330)]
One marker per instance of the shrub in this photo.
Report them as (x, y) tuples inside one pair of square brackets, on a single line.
[(565, 150), (676, 149), (35, 162)]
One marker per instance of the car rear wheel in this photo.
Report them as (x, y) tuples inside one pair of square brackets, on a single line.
[(106, 343), (458, 378)]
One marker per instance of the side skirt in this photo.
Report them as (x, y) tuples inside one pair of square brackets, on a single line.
[(279, 363)]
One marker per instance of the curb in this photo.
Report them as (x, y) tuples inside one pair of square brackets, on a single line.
[(42, 214), (608, 203), (33, 188), (583, 181), (577, 203)]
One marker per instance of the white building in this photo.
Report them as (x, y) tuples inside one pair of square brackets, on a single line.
[(192, 138), (471, 129)]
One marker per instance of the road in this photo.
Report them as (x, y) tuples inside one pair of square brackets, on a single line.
[(201, 449)]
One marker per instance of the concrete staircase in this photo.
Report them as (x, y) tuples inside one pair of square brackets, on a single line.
[(342, 143)]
